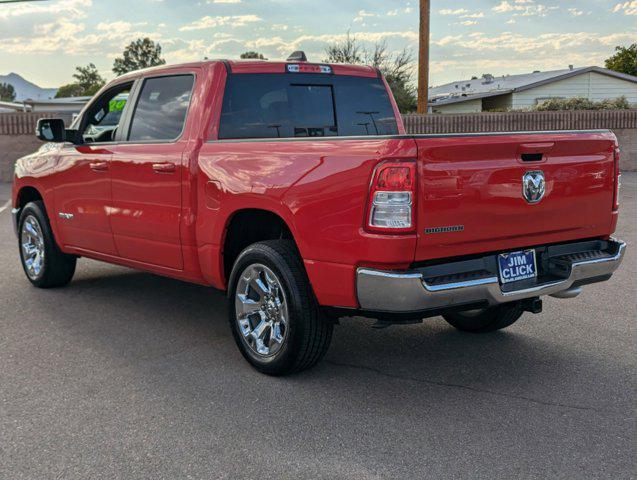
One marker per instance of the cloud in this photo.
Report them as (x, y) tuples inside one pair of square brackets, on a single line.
[(67, 8), (362, 15), (468, 54), (463, 13), (524, 8), (70, 37), (397, 11), (314, 45), (627, 8), (228, 20), (448, 11), (223, 1)]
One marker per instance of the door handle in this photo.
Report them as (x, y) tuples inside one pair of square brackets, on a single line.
[(167, 167), (99, 166), (544, 147)]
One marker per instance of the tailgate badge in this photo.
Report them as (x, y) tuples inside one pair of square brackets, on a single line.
[(533, 186)]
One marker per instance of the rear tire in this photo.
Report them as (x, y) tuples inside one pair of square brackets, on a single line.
[(274, 316), (486, 320), (43, 262)]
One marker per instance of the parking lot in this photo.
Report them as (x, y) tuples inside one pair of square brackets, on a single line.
[(127, 375)]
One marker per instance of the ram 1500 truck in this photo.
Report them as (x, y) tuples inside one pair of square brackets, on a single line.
[(294, 187)]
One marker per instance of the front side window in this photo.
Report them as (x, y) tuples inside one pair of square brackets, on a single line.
[(305, 105), (161, 108), (103, 118)]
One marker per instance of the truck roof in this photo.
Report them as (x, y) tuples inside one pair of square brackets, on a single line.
[(265, 66)]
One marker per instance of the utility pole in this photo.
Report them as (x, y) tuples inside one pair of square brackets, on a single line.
[(423, 57)]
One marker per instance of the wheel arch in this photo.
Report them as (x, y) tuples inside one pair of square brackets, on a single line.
[(246, 226), (26, 194)]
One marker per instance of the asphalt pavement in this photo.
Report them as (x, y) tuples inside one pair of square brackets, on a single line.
[(128, 375)]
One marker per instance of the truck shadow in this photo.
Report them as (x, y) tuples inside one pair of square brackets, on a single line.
[(168, 316)]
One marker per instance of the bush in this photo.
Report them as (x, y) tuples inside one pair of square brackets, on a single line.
[(579, 103)]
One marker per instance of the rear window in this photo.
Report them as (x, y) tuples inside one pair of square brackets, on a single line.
[(305, 105)]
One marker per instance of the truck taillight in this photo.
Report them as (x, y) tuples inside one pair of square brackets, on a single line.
[(618, 181), (392, 198)]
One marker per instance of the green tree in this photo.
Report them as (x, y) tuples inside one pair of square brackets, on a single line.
[(142, 53), (347, 51), (624, 60), (68, 90), (88, 82), (251, 54), (7, 92), (397, 68), (88, 79)]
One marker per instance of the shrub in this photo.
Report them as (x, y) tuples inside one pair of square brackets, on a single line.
[(580, 103)]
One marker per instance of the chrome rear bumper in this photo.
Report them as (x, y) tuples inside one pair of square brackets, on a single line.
[(412, 291)]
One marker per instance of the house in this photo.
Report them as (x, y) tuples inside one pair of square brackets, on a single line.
[(515, 92), (12, 107), (66, 105)]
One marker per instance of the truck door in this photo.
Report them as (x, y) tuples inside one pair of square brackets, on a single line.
[(146, 172), (83, 176)]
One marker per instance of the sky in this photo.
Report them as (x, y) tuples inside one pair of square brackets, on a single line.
[(44, 41)]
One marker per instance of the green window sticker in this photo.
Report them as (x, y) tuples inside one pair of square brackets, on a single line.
[(116, 105)]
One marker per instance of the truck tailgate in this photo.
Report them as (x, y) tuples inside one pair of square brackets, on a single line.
[(471, 196)]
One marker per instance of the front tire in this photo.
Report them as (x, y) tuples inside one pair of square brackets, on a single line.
[(274, 316), (486, 320), (43, 262)]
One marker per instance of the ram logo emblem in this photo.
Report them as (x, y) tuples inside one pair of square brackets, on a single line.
[(533, 186)]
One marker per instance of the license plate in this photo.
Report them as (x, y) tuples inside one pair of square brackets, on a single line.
[(517, 266)]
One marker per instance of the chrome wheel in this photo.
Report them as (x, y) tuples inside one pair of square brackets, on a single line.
[(32, 243), (261, 310)]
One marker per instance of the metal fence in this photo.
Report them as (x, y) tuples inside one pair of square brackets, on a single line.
[(22, 123), (521, 121)]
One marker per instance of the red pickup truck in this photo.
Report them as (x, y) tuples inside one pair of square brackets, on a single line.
[(294, 187)]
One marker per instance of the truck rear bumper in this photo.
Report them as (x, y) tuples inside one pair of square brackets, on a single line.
[(563, 269)]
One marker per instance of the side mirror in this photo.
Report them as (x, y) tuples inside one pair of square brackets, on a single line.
[(51, 130)]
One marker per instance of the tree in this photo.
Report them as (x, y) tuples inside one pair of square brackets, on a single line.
[(7, 92), (88, 82), (88, 79), (252, 54), (347, 51), (397, 68), (69, 90), (142, 53), (624, 60)]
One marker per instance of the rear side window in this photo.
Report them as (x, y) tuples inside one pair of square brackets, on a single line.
[(161, 108), (305, 105)]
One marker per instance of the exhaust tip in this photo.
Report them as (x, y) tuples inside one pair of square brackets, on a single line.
[(570, 293)]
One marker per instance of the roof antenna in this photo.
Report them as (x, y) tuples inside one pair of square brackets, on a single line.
[(298, 56)]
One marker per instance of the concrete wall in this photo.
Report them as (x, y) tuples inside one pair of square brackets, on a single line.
[(13, 147)]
